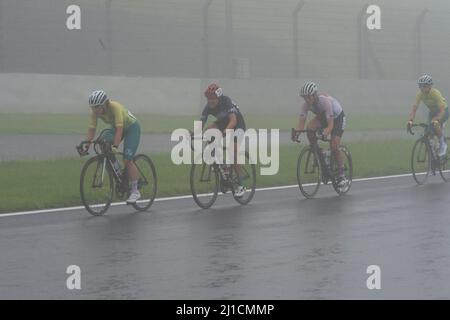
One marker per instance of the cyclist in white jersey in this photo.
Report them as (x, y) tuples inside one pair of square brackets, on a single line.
[(329, 116)]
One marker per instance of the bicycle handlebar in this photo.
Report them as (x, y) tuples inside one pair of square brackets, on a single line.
[(105, 146), (318, 132), (191, 133), (410, 126)]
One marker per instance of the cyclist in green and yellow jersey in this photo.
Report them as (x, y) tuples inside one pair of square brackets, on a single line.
[(124, 126), (438, 109)]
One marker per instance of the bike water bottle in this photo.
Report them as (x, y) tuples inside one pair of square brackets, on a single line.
[(434, 148), (116, 166), (226, 172), (223, 170), (327, 157)]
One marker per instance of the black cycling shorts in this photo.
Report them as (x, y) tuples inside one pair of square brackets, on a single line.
[(338, 126)]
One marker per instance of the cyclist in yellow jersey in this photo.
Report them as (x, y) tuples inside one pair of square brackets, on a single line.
[(124, 126), (437, 106)]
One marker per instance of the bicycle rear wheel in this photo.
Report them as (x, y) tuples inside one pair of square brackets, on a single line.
[(420, 161), (204, 181), (96, 186), (147, 183), (308, 172), (348, 171), (246, 173), (444, 168)]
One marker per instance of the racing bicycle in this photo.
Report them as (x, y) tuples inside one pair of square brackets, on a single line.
[(102, 175), (316, 165), (207, 179), (424, 157)]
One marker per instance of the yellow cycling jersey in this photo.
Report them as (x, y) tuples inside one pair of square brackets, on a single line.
[(433, 100), (116, 115)]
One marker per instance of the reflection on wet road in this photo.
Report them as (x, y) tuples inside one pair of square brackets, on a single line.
[(281, 246)]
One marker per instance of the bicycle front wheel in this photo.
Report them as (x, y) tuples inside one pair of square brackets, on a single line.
[(96, 186), (308, 172), (444, 168), (244, 175), (147, 183), (204, 180), (420, 161)]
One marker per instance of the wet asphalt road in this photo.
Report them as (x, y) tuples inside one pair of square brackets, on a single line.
[(280, 246)]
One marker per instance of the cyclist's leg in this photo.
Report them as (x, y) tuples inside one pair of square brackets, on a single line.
[(218, 156), (442, 122), (235, 144), (440, 134), (336, 136), (240, 189), (132, 137), (215, 125), (238, 167), (437, 129), (108, 135)]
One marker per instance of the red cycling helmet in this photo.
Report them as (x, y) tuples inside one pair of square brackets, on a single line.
[(213, 91)]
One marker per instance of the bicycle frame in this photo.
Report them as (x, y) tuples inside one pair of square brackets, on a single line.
[(104, 172), (217, 166), (208, 177), (325, 168), (427, 137), (103, 150), (226, 179)]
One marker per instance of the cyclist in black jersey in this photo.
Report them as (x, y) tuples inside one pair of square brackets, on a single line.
[(228, 116)]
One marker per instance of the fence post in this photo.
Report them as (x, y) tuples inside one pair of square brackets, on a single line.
[(418, 41), (109, 63), (365, 49), (360, 41), (295, 36), (205, 9), (2, 45), (229, 36)]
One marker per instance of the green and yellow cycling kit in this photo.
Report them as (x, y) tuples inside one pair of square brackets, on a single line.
[(433, 100), (115, 114)]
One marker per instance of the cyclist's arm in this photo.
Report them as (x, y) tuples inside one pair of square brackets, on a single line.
[(90, 134), (118, 136), (92, 127), (415, 106), (301, 122), (204, 116), (232, 113), (302, 117), (330, 127), (232, 121), (412, 115)]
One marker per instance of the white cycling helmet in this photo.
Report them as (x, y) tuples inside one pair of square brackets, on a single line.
[(308, 89), (425, 79), (97, 98)]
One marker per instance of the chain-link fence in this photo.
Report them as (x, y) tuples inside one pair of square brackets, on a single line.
[(226, 38), (260, 50)]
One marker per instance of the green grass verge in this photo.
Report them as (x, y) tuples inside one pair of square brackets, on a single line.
[(14, 123), (29, 185)]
